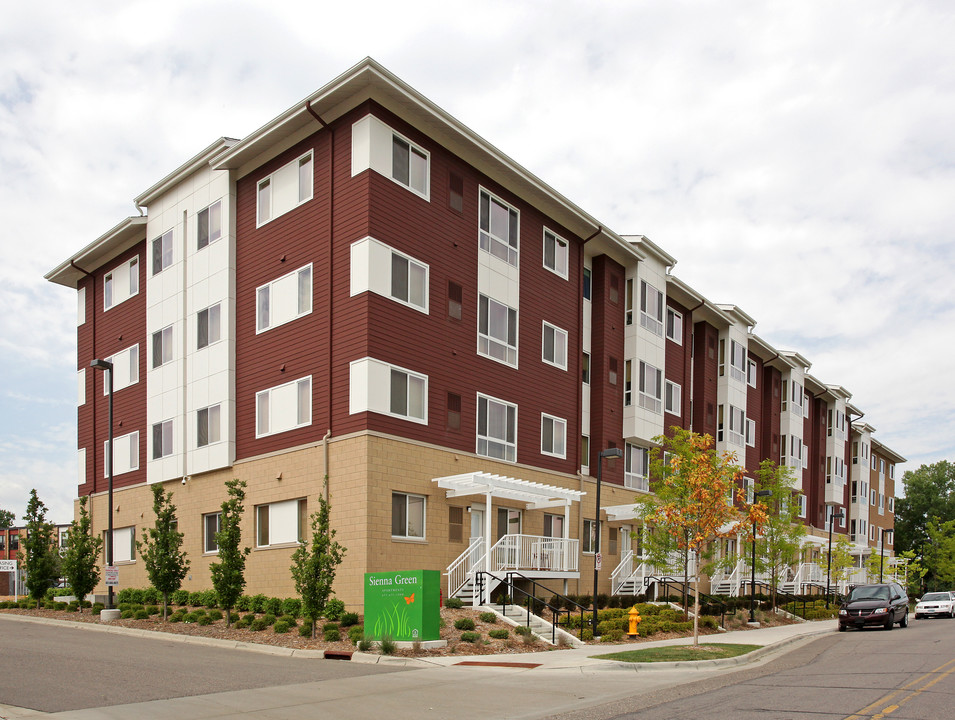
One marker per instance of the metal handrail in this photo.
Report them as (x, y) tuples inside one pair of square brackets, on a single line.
[(531, 600), (555, 612), (460, 570), (708, 599)]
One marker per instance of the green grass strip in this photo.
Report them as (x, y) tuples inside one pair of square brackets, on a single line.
[(680, 653)]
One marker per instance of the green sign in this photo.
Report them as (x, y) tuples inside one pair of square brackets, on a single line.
[(403, 605)]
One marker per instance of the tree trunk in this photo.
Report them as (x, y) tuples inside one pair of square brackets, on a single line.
[(228, 617), (165, 606)]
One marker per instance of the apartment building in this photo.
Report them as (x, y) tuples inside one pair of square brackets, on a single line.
[(365, 299)]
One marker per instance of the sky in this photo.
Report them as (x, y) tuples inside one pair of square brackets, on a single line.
[(798, 159)]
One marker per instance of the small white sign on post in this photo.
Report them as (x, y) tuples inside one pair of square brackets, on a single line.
[(599, 561), (111, 574), (8, 565)]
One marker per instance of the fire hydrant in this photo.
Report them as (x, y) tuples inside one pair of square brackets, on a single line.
[(634, 621)]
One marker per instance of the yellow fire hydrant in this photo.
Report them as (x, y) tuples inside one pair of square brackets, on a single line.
[(634, 621)]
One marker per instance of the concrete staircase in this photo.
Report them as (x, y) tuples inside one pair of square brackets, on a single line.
[(516, 615)]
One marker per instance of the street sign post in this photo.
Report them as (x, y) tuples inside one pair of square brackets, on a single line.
[(600, 561)]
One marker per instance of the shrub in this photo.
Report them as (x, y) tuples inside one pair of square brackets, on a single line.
[(708, 621), (453, 603), (268, 619), (364, 644), (488, 617), (280, 627), (244, 603), (273, 606), (150, 596), (258, 603), (179, 597), (356, 633), (215, 615), (258, 624), (332, 633), (175, 617), (387, 645), (152, 610), (195, 598), (127, 614), (334, 609), (204, 620), (75, 606), (123, 596), (305, 630), (470, 637), (464, 624), (59, 606), (289, 620), (349, 619), (292, 606), (523, 630), (97, 607), (199, 612), (586, 634), (243, 623), (210, 599), (190, 617), (234, 617), (602, 600), (499, 633)]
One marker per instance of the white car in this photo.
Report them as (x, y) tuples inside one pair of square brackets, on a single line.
[(936, 603)]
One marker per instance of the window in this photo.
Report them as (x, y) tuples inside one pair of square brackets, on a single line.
[(585, 453), (836, 425), (673, 398), (455, 300), (835, 470), (209, 225), (3, 542), (125, 369), (208, 326), (872, 496), (588, 284), (284, 299), (892, 471), (409, 165), (409, 281), (455, 524), (14, 541), (627, 383), (162, 252), (162, 439), (454, 411), (628, 301), (585, 369), (651, 308), (554, 351), (496, 429), (284, 407), (285, 189), (407, 515), (553, 526), (497, 330), (750, 433), (121, 283), (651, 387), (124, 544), (280, 523), (674, 326), (211, 524), (751, 373), (792, 397), (891, 504), (875, 462), (208, 426), (125, 455), (555, 253), (499, 228), (872, 532), (805, 405), (736, 422), (636, 470), (589, 540), (409, 395), (162, 346), (737, 360), (553, 436)]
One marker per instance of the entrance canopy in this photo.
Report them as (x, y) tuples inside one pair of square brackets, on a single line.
[(621, 512), (535, 495)]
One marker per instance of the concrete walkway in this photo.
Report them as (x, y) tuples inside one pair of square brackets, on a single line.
[(519, 685)]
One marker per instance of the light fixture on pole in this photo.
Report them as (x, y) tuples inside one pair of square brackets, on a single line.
[(608, 453), (832, 518), (752, 577), (107, 367)]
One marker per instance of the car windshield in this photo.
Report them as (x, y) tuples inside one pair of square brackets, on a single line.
[(869, 593), (936, 596)]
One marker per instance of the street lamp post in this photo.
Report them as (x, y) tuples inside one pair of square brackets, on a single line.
[(608, 453), (107, 367), (881, 552), (752, 577), (832, 518)]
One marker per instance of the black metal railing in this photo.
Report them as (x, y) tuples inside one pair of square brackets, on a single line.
[(531, 601), (789, 599), (705, 599)]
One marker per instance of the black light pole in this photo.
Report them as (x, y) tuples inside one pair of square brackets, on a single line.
[(107, 366), (752, 577), (608, 453), (832, 518), (881, 552)]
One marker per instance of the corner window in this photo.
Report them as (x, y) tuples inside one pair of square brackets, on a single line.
[(208, 424), (673, 398), (407, 516), (555, 253), (499, 228), (555, 346), (121, 283), (211, 524), (636, 470), (497, 330), (585, 454), (280, 523), (125, 454), (651, 387), (409, 395), (209, 225), (553, 436), (125, 369), (585, 368), (737, 360), (284, 407), (162, 439), (162, 252), (750, 433), (409, 165), (284, 190), (651, 308), (496, 429), (284, 299), (162, 346), (731, 425), (674, 326), (751, 373), (208, 326), (409, 281), (588, 284)]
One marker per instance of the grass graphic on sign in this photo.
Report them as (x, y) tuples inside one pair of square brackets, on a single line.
[(395, 623)]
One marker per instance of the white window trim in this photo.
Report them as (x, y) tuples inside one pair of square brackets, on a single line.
[(586, 537), (559, 334), (557, 242), (677, 337), (205, 519), (112, 359), (300, 531), (488, 438), (273, 325), (259, 222), (634, 479), (656, 325), (111, 275), (270, 391), (209, 239), (427, 173), (646, 400), (210, 425), (424, 517), (751, 372), (106, 454), (164, 452), (427, 281), (489, 339), (676, 394), (408, 375), (515, 249), (750, 433), (557, 422)]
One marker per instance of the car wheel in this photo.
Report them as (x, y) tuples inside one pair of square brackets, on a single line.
[(917, 616), (889, 623), (904, 622), (842, 628)]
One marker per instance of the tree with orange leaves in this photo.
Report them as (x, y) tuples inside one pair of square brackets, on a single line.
[(694, 488)]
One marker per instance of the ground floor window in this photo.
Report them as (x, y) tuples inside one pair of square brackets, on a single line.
[(407, 515)]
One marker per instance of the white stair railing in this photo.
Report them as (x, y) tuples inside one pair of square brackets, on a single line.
[(464, 566), (534, 552), (623, 572)]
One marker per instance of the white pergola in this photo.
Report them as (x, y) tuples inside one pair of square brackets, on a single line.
[(534, 496)]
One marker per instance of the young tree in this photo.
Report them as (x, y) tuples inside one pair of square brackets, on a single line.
[(79, 557), (37, 552), (161, 548), (7, 519), (314, 568), (691, 503), (228, 575), (780, 540), (840, 562)]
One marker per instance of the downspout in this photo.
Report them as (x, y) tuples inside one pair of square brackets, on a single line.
[(328, 434)]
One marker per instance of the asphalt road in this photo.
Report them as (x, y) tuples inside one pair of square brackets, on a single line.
[(899, 675), (53, 668)]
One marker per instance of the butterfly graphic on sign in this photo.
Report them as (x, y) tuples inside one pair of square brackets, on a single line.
[(409, 599)]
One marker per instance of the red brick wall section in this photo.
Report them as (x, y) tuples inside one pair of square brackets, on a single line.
[(705, 374), (678, 368)]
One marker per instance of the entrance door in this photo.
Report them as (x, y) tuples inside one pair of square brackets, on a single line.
[(477, 523), (509, 523)]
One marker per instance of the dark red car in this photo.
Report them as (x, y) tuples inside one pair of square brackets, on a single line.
[(880, 605)]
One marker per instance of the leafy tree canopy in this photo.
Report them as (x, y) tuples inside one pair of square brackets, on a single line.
[(80, 555), (314, 568), (7, 518), (40, 560), (929, 495), (161, 548)]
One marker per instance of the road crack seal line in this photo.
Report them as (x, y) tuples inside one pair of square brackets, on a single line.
[(888, 709)]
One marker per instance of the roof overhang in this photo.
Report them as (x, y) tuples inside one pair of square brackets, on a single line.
[(114, 242), (738, 314), (887, 452), (622, 512), (651, 249), (198, 162), (534, 495)]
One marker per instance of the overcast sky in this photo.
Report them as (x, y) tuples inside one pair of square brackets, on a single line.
[(798, 159)]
